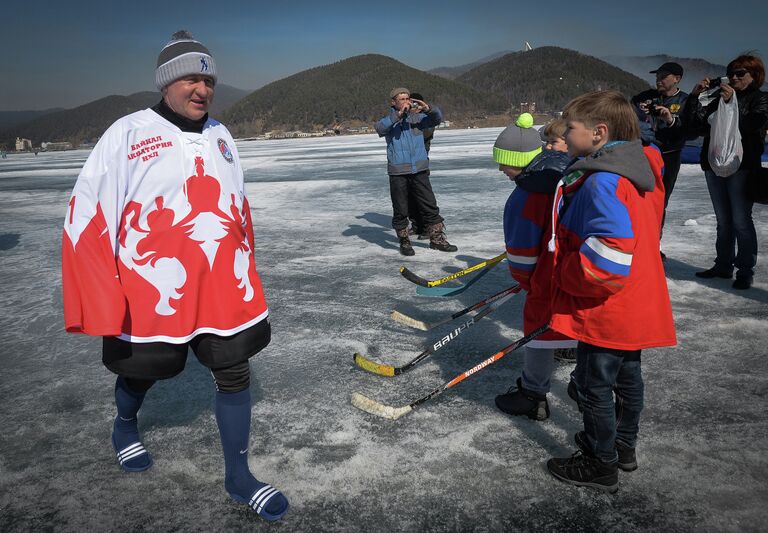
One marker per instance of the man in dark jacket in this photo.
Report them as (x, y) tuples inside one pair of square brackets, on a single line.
[(659, 112), (408, 167)]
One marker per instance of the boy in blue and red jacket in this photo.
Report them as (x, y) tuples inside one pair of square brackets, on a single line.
[(527, 226), (609, 288)]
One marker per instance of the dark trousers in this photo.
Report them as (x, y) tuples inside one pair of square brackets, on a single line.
[(418, 187), (413, 214), (671, 170), (610, 387), (735, 227)]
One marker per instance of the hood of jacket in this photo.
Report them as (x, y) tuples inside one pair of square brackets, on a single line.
[(544, 172), (626, 159)]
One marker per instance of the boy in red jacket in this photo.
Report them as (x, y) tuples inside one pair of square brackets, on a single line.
[(609, 288)]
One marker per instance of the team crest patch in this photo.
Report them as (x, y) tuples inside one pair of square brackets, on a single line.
[(226, 153), (674, 108)]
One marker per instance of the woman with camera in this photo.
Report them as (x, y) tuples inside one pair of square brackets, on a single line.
[(736, 244)]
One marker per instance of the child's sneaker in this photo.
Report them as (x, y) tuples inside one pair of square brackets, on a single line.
[(519, 401), (585, 471), (627, 458)]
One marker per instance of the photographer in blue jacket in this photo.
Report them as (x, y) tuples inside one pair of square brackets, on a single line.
[(408, 167)]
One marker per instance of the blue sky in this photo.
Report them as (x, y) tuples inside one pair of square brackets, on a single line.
[(63, 54)]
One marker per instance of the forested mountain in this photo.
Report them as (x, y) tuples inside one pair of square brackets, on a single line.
[(89, 121), (354, 90), (12, 118), (549, 76)]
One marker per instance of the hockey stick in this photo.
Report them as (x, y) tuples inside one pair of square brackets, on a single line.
[(389, 370), (452, 291), (368, 405), (402, 318), (418, 280)]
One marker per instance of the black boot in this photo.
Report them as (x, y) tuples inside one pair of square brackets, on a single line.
[(519, 401), (627, 458), (437, 240), (715, 272), (405, 242), (585, 471), (742, 282)]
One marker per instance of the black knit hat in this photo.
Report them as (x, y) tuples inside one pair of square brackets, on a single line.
[(182, 56)]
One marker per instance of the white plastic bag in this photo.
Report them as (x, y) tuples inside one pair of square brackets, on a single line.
[(725, 150)]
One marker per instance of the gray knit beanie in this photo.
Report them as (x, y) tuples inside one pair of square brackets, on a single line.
[(182, 56), (518, 144)]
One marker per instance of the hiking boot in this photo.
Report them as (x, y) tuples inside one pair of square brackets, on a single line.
[(565, 355), (585, 471), (437, 240), (627, 458), (715, 272), (519, 401), (405, 242)]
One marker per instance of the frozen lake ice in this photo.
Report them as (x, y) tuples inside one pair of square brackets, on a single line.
[(329, 262)]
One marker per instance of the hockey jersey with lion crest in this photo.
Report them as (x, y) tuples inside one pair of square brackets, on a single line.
[(158, 240)]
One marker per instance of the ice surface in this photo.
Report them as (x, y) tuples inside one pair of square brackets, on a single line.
[(329, 262)]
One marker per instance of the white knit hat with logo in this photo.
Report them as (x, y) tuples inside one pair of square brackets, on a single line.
[(182, 56)]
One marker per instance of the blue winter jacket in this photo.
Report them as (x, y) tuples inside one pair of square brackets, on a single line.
[(406, 153)]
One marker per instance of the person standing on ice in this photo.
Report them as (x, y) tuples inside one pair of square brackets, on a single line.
[(408, 168), (417, 227), (527, 228), (609, 291), (659, 113), (157, 258)]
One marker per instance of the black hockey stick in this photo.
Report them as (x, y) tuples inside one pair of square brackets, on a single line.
[(389, 370), (397, 316), (393, 413), (418, 280)]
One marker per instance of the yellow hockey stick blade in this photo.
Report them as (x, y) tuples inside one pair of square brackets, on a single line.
[(373, 367), (379, 409)]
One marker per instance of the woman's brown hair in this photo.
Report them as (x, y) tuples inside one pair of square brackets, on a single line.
[(752, 64)]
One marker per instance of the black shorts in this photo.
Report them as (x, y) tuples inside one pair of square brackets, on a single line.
[(163, 360)]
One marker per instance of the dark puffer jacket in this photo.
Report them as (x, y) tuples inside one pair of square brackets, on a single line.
[(753, 120)]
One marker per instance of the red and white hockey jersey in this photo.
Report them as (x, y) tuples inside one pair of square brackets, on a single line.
[(158, 240)]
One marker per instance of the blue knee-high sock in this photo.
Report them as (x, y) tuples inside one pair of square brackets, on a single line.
[(132, 456), (233, 416)]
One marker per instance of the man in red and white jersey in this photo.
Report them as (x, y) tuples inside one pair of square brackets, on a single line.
[(158, 258)]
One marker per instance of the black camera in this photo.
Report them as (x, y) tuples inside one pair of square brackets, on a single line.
[(653, 107), (714, 83)]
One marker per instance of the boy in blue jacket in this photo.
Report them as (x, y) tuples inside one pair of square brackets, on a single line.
[(527, 227)]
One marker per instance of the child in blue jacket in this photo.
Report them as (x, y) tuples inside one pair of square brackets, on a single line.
[(527, 227)]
